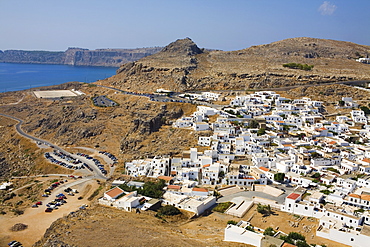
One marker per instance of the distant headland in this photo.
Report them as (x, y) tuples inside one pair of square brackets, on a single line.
[(78, 56)]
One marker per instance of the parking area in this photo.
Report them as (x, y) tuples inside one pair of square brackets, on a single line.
[(38, 220), (103, 101)]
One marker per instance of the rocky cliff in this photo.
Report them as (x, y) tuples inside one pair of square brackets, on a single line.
[(78, 56), (183, 66)]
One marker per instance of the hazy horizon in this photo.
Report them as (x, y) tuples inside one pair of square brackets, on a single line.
[(217, 24)]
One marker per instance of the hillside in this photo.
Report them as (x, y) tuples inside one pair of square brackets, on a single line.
[(183, 66), (78, 56)]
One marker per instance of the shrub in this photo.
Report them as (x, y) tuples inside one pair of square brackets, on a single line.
[(18, 212), (269, 231), (221, 207), (264, 209), (169, 210), (298, 66), (232, 222), (279, 177)]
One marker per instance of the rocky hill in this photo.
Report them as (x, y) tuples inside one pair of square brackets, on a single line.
[(183, 66), (78, 56)]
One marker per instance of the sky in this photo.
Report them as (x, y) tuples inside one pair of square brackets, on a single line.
[(214, 24)]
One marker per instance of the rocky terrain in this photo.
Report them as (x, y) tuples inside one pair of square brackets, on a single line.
[(137, 127), (183, 66), (78, 56)]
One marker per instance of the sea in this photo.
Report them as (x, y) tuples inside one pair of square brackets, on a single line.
[(20, 76)]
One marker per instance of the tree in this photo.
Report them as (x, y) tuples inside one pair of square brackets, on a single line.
[(153, 189), (261, 131), (280, 177), (264, 209), (221, 174), (341, 103), (365, 109), (269, 231), (253, 124)]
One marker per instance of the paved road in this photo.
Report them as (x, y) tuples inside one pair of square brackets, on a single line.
[(97, 172)]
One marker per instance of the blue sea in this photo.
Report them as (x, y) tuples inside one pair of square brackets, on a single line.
[(18, 76)]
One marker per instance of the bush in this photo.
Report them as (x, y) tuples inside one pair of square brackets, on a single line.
[(279, 177), (221, 207), (264, 209), (169, 210), (298, 66), (18, 212), (261, 131), (153, 189), (95, 193), (232, 222), (269, 231)]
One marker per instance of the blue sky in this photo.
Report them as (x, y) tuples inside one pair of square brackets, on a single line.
[(216, 24)]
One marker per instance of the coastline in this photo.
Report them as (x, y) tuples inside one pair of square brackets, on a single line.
[(23, 76)]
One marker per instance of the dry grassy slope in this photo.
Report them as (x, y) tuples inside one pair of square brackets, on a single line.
[(20, 156), (101, 226), (182, 66)]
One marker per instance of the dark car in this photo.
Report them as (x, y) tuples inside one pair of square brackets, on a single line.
[(12, 242), (48, 210)]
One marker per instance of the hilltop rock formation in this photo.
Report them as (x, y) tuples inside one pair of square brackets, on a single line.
[(182, 65), (78, 56)]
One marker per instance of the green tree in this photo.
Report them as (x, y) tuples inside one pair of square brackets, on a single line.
[(269, 231), (365, 109), (253, 124), (264, 209), (279, 177), (261, 131), (153, 189), (341, 103)]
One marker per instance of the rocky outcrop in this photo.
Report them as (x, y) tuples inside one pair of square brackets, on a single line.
[(78, 56), (182, 65)]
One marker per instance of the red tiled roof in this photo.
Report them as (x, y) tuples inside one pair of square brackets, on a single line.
[(264, 169), (365, 197), (333, 142), (207, 165), (288, 245), (354, 195), (114, 192), (200, 189), (173, 172), (293, 196), (166, 178), (173, 187), (366, 160)]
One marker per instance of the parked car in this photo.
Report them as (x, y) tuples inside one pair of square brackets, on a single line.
[(34, 206), (48, 210), (38, 203)]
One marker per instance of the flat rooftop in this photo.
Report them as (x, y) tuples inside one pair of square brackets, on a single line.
[(55, 94)]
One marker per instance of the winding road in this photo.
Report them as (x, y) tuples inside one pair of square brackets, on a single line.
[(96, 171)]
